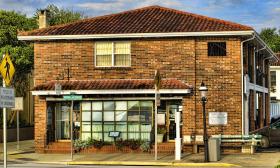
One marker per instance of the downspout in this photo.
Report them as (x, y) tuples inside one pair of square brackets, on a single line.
[(242, 80)]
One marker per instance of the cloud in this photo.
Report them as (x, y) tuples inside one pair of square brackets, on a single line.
[(120, 5)]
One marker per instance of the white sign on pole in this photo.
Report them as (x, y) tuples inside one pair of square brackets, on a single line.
[(18, 104), (218, 118), (7, 97), (57, 88)]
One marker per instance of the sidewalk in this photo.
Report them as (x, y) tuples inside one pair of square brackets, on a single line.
[(26, 154)]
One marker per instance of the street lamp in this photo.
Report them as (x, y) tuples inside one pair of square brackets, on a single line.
[(203, 91)]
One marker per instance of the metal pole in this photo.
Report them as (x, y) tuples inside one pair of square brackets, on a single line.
[(155, 124), (4, 130), (205, 137), (71, 127), (17, 130)]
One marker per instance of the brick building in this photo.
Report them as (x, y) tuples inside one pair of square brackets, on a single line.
[(111, 61)]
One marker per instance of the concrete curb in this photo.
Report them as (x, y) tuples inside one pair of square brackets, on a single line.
[(139, 163)]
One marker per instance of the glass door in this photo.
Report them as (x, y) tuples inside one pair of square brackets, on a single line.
[(63, 121), (172, 109)]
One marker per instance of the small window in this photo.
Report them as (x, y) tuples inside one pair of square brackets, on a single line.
[(217, 49), (273, 81), (112, 54)]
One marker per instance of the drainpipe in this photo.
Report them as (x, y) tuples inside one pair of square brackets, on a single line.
[(242, 80)]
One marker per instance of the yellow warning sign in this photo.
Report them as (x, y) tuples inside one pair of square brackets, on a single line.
[(7, 69)]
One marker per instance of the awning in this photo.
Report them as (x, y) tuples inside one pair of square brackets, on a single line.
[(113, 86)]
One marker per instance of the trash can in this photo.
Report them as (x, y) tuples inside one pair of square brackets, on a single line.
[(214, 149)]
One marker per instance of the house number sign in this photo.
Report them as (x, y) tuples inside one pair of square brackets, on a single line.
[(218, 118)]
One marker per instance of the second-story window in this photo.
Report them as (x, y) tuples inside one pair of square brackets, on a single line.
[(217, 49), (112, 54), (273, 81)]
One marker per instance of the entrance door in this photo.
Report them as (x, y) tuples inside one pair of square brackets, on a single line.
[(63, 121), (171, 125)]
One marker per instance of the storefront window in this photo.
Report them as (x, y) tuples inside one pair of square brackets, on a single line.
[(133, 119)]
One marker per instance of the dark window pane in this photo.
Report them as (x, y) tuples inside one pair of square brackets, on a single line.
[(133, 116), (217, 49)]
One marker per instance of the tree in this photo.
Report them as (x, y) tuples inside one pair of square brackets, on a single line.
[(61, 16), (21, 52), (272, 38)]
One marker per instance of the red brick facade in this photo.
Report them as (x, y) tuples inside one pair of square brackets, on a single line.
[(185, 59)]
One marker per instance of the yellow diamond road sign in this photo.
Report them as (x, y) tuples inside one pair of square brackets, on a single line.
[(7, 69)]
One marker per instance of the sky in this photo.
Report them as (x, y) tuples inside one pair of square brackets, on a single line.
[(256, 13)]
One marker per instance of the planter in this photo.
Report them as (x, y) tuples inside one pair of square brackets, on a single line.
[(109, 149), (25, 133), (160, 138)]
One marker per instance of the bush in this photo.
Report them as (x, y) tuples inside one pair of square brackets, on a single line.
[(132, 144), (145, 146)]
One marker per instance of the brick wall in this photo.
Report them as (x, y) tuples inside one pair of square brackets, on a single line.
[(40, 120), (185, 59)]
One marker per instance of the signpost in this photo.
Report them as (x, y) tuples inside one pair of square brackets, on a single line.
[(157, 82), (7, 71), (72, 97), (18, 107)]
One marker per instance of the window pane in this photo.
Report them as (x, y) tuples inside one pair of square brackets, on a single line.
[(146, 105), (145, 136), (97, 106), (146, 116), (133, 116), (122, 60), (86, 116), (121, 126), (85, 136), (133, 105), (217, 49), (86, 126), (97, 136), (107, 138), (109, 116), (133, 127), (104, 48), (108, 105), (122, 48), (123, 135), (96, 116), (103, 60), (86, 106), (121, 115), (133, 136), (96, 127), (146, 127), (108, 127), (121, 105)]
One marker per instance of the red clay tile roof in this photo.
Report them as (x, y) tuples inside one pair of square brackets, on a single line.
[(276, 63), (115, 84), (152, 19)]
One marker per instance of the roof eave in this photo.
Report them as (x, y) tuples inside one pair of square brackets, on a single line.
[(135, 35)]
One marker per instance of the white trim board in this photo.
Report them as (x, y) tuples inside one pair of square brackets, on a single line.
[(136, 35), (103, 92)]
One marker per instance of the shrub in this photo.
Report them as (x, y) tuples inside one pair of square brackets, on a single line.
[(145, 146)]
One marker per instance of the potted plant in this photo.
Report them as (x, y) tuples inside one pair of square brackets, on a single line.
[(161, 130)]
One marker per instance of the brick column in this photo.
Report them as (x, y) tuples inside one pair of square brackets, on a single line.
[(40, 122)]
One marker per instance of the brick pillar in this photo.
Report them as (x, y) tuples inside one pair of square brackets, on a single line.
[(40, 124), (188, 115)]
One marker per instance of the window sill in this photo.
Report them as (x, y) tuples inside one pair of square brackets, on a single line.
[(113, 68)]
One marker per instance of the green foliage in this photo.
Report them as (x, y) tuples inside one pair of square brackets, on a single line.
[(161, 130), (20, 52), (82, 144), (132, 144), (272, 38), (61, 16), (145, 147)]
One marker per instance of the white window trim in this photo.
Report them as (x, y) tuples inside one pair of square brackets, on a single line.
[(113, 55)]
